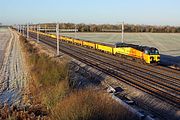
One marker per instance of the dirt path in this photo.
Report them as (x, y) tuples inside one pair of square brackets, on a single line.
[(13, 74)]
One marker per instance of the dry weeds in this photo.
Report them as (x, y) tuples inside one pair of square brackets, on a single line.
[(49, 87)]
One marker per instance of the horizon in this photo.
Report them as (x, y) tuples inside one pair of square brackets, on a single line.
[(139, 12)]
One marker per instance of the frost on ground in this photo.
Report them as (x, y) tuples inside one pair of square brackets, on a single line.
[(4, 38), (13, 75)]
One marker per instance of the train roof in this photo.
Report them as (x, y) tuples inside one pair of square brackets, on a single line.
[(138, 47), (111, 45), (120, 44)]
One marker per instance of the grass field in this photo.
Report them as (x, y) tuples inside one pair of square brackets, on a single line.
[(167, 43)]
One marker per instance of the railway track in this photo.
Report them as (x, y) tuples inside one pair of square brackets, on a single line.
[(169, 69), (157, 82)]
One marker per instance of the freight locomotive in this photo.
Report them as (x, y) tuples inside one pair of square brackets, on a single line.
[(146, 54)]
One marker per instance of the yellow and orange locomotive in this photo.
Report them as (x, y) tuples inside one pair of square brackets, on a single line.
[(147, 54)]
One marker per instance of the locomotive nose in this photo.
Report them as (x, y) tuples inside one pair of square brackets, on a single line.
[(158, 58), (152, 58)]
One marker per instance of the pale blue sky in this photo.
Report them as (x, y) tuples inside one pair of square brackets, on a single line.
[(153, 12)]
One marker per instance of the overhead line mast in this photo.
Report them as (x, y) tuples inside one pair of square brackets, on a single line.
[(27, 31), (122, 38), (57, 35), (38, 30)]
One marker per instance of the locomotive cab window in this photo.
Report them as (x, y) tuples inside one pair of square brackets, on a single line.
[(147, 52), (151, 51), (154, 51)]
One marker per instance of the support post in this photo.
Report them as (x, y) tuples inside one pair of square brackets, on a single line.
[(45, 29), (20, 28), (122, 39), (75, 31), (27, 31), (23, 30), (57, 36), (38, 28)]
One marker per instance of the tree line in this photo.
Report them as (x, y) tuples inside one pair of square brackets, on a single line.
[(116, 28)]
